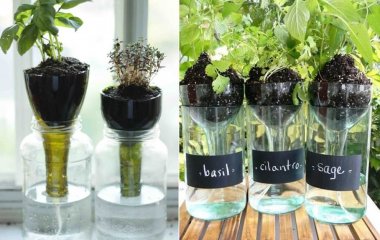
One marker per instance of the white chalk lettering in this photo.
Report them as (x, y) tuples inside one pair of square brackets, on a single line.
[(215, 173), (334, 171), (266, 166)]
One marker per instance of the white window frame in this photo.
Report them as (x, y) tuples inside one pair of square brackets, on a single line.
[(134, 13)]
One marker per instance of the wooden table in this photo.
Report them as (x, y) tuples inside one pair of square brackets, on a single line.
[(250, 225)]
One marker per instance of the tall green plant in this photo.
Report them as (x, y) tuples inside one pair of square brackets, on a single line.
[(337, 26), (36, 24)]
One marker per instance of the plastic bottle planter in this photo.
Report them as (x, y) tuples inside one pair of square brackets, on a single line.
[(56, 157), (338, 152), (213, 143), (275, 149), (45, 215), (130, 198)]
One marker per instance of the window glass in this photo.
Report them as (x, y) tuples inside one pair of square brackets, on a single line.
[(7, 109), (163, 31)]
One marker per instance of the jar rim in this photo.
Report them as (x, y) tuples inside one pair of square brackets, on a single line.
[(123, 135), (50, 126)]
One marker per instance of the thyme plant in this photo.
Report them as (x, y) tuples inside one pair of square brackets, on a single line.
[(133, 65)]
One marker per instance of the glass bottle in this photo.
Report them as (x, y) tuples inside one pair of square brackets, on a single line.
[(130, 200), (276, 155), (213, 141), (56, 193), (338, 152)]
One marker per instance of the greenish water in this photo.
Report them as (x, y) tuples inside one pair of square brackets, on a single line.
[(276, 205), (215, 211), (334, 214)]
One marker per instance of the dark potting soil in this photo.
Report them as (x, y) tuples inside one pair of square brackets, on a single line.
[(50, 67), (132, 92), (131, 108), (196, 74), (261, 93), (342, 71), (199, 90), (56, 90)]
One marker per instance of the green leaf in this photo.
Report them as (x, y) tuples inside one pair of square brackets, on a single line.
[(183, 10), (296, 20), (27, 39), (374, 19), (48, 2), (236, 18), (72, 3), (336, 37), (44, 19), (312, 5), (220, 84), (189, 33), (360, 37), (342, 9), (68, 20), (211, 71), (23, 10), (229, 8), (282, 34), (221, 65), (7, 37)]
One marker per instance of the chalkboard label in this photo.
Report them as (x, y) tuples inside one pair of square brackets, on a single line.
[(214, 171), (339, 173), (278, 167)]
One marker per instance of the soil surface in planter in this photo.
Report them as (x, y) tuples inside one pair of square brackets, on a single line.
[(271, 100), (259, 92), (122, 92), (56, 89), (340, 70), (131, 108), (196, 76), (197, 91)]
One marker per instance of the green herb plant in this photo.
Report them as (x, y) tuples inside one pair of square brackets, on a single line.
[(37, 25), (133, 65), (240, 34), (301, 34), (374, 166), (336, 26)]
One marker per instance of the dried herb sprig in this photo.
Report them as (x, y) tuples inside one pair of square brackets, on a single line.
[(135, 64)]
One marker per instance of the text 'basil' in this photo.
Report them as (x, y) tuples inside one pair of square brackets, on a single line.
[(339, 173), (278, 167), (214, 171)]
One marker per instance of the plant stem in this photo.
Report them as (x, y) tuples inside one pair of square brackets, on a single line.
[(130, 169), (52, 47), (56, 146), (39, 46), (58, 48)]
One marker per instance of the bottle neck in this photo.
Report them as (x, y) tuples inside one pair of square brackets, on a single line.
[(61, 127), (135, 136)]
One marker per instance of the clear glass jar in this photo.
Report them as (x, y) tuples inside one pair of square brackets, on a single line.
[(57, 186), (214, 168), (130, 198)]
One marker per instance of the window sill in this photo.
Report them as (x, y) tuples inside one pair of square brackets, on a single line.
[(11, 205), (14, 231)]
